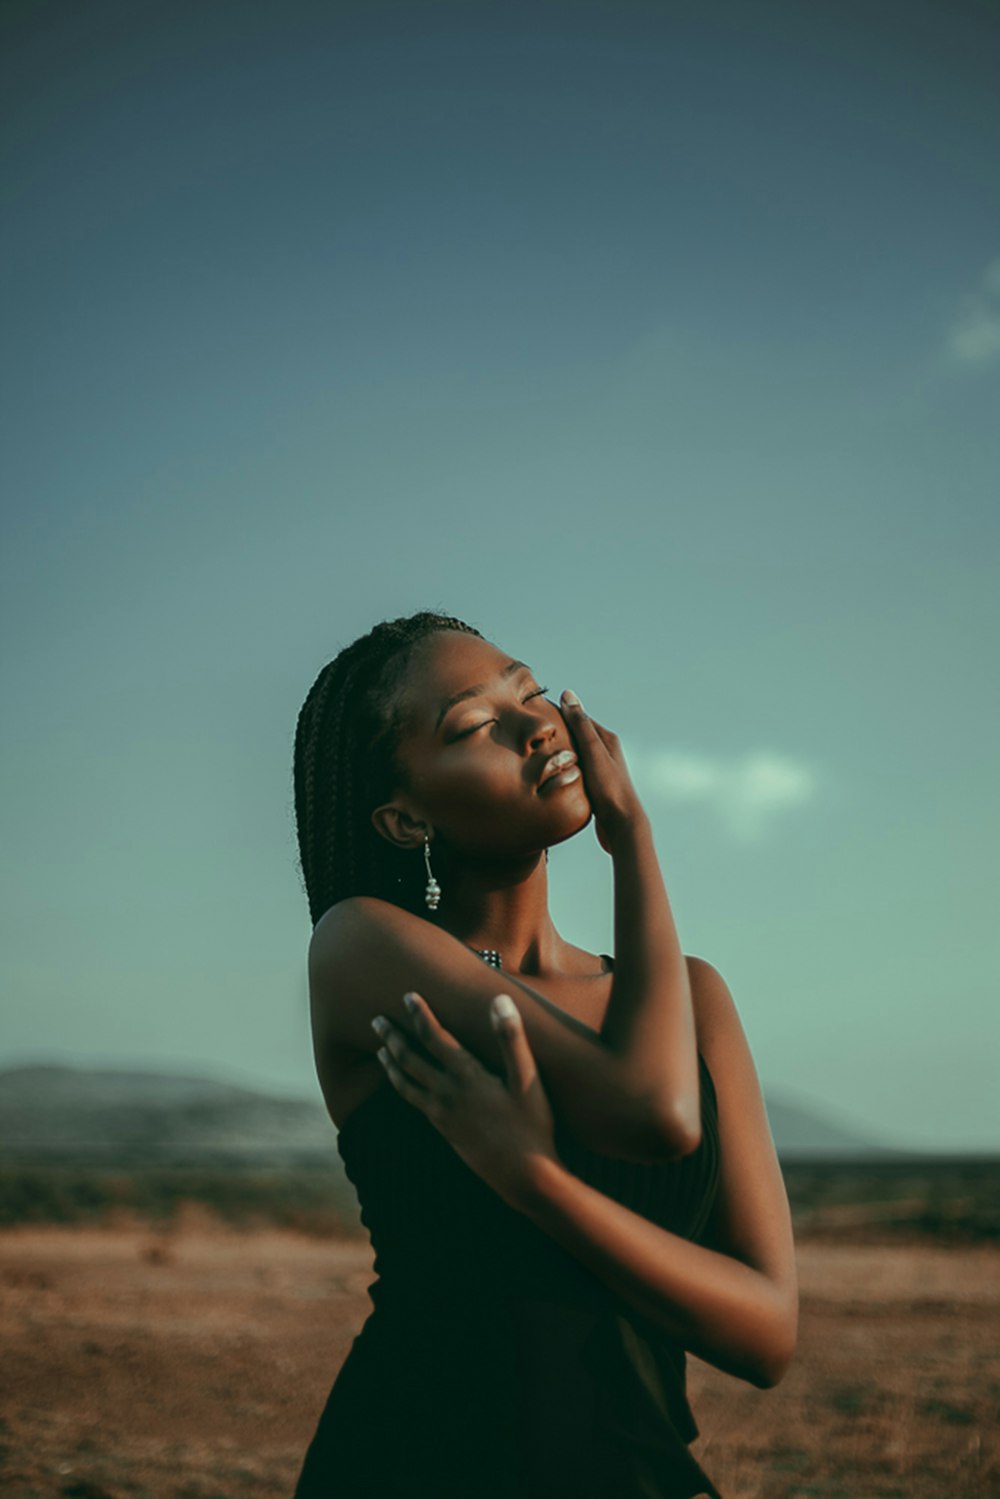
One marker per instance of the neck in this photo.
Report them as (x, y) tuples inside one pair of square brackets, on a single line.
[(503, 906)]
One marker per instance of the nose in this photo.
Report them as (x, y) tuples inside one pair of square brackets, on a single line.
[(541, 729)]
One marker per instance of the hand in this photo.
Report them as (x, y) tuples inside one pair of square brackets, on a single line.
[(498, 1128), (613, 798)]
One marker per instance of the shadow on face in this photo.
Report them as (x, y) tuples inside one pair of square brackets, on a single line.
[(477, 731)]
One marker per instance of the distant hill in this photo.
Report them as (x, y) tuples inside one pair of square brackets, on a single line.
[(107, 1116), (800, 1133), (119, 1117)]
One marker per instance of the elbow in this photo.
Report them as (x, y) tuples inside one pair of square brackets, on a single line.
[(648, 1141), (648, 1132), (771, 1371), (679, 1128), (683, 1141), (770, 1368), (672, 1133)]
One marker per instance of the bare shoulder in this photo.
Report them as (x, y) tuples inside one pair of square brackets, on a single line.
[(351, 967), (343, 938), (365, 955), (716, 1017), (751, 1218), (723, 1043), (357, 913)]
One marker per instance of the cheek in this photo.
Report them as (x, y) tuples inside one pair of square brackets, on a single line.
[(483, 795), (482, 787)]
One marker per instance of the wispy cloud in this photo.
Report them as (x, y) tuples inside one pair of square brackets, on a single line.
[(745, 792), (974, 337)]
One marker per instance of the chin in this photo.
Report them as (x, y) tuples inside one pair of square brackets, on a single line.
[(577, 826)]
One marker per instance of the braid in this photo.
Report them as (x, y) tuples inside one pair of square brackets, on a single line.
[(344, 765)]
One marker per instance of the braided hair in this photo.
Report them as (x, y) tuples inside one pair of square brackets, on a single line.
[(346, 740)]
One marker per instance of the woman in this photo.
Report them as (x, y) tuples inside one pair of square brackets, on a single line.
[(565, 1189)]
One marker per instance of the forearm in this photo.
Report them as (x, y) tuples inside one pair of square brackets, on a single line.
[(649, 1023), (728, 1313)]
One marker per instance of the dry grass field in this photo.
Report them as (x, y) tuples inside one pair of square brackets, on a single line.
[(191, 1362)]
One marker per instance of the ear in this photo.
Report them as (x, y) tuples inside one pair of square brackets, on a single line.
[(396, 824)]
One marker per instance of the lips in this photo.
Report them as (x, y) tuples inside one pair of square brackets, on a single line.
[(560, 761)]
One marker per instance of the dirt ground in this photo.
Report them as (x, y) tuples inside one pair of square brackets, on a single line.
[(194, 1364)]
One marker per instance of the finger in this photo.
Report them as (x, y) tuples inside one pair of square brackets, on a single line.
[(402, 1084), (607, 736), (431, 1033), (519, 1059), (581, 726), (423, 1072)]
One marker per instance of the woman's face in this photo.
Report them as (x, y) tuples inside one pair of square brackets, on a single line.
[(478, 735)]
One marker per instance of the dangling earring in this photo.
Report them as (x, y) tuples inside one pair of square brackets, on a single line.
[(432, 894)]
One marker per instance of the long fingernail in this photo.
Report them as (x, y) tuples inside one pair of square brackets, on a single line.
[(410, 1001), (571, 699), (381, 1025), (504, 1007)]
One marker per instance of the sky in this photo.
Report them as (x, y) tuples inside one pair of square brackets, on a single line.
[(660, 342)]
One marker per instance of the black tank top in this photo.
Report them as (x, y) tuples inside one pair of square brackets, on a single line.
[(494, 1365)]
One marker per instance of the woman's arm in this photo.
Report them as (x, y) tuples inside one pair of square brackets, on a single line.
[(367, 953), (631, 1090), (734, 1304), (728, 1313), (649, 1023)]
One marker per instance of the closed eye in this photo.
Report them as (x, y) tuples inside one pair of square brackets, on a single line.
[(538, 692)]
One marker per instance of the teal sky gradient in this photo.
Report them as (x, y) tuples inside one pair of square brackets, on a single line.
[(660, 342)]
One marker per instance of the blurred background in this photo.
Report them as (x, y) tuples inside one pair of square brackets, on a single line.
[(659, 341)]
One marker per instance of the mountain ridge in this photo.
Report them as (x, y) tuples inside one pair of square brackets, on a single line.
[(94, 1115)]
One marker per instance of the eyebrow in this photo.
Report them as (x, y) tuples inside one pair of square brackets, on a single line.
[(458, 697)]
